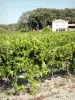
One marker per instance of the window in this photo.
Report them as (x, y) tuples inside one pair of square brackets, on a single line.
[(56, 29)]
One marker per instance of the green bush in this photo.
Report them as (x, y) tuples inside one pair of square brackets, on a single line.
[(46, 29), (35, 55)]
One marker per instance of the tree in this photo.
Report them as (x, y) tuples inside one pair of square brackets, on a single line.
[(23, 23), (41, 17)]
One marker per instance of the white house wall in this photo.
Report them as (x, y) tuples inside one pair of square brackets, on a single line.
[(59, 25)]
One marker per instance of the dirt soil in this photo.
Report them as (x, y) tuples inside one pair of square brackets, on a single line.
[(58, 88)]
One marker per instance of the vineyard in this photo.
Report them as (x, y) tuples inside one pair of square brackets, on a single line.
[(35, 54)]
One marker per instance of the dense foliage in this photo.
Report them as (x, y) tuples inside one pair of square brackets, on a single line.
[(41, 17), (34, 54)]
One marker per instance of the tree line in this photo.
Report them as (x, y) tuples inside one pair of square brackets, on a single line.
[(41, 17)]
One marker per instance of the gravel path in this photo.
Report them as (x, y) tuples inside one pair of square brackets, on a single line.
[(62, 94)]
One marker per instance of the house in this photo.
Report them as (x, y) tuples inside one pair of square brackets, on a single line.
[(59, 25)]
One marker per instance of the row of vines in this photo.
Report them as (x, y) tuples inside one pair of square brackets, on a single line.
[(34, 55)]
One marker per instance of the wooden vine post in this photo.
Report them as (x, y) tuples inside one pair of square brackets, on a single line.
[(67, 67)]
